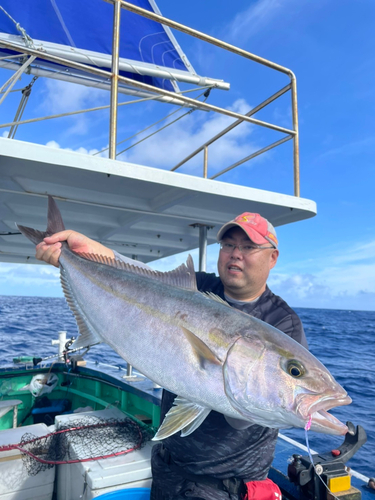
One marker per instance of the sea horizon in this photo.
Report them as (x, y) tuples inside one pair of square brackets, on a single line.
[(292, 306)]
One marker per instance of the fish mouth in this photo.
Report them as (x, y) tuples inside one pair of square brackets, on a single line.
[(321, 420)]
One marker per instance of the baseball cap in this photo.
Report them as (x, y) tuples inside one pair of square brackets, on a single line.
[(258, 229)]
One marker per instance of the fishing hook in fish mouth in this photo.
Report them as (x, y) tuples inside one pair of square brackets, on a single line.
[(328, 403), (314, 410), (308, 424), (308, 404)]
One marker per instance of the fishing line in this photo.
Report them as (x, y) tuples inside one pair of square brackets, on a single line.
[(307, 428)]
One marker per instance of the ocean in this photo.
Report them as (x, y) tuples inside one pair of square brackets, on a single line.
[(342, 340)]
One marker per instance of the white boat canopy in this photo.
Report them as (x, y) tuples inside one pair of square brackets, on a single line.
[(142, 212)]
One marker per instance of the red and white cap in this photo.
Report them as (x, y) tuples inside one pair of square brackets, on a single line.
[(258, 229)]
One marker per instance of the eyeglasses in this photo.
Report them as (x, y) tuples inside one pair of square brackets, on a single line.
[(244, 249)]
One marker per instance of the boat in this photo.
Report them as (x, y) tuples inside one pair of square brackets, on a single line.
[(41, 399), (141, 211)]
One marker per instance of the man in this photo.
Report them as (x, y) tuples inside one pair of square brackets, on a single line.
[(223, 458)]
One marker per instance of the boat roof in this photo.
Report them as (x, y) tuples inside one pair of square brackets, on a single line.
[(142, 212)]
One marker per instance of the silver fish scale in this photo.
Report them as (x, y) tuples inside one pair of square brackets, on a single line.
[(139, 317)]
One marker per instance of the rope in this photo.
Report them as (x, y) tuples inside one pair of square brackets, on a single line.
[(11, 91), (33, 120), (27, 39), (15, 56), (156, 131), (205, 93), (13, 79), (21, 108)]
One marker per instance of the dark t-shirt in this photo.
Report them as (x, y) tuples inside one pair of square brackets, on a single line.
[(216, 448)]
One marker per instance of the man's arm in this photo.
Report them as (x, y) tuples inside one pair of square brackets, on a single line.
[(49, 249)]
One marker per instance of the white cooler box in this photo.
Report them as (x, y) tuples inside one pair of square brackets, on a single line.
[(88, 480), (15, 483)]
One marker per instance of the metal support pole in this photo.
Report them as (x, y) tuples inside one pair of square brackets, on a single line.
[(234, 124), (61, 342), (15, 416), (13, 79), (202, 248), (144, 86), (253, 155), (114, 80), (205, 162), (295, 138)]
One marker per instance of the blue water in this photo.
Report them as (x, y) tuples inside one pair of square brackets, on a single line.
[(342, 340)]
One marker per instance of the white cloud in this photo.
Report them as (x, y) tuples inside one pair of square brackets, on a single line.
[(169, 146), (174, 143), (254, 19), (61, 97), (5, 134), (357, 253), (347, 149), (337, 281), (308, 290), (84, 151), (342, 278), (343, 268), (27, 274)]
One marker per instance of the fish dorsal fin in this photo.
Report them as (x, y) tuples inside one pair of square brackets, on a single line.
[(213, 296), (201, 350), (183, 276), (55, 223), (87, 334), (184, 416)]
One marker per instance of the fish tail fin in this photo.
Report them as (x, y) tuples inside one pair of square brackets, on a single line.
[(54, 225)]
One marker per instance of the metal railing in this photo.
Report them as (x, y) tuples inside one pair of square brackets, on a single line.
[(115, 78), (291, 134)]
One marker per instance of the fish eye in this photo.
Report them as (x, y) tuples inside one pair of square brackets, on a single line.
[(295, 368)]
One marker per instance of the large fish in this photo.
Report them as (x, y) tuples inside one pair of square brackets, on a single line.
[(195, 345)]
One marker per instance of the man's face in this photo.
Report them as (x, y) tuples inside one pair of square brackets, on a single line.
[(244, 276)]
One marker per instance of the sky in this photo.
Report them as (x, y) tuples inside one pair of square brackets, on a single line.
[(325, 262)]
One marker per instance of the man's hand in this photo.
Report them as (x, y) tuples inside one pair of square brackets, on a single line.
[(49, 249)]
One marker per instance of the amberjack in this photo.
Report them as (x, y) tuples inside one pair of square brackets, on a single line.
[(194, 344)]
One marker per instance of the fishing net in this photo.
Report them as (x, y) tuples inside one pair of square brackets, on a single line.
[(82, 440)]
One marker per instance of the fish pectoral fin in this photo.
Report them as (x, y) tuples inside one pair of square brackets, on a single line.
[(215, 297), (237, 423), (184, 416), (202, 351)]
